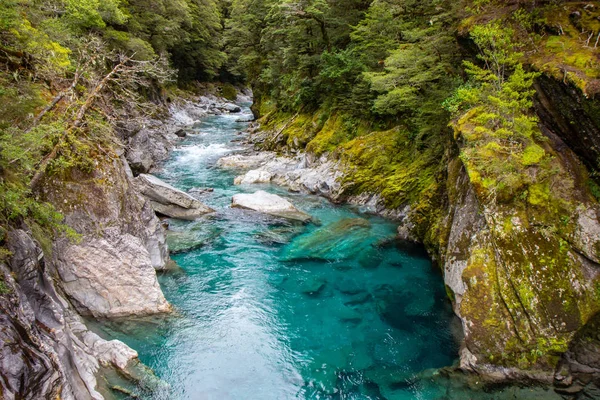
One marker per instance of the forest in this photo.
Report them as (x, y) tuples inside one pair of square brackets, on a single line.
[(425, 104)]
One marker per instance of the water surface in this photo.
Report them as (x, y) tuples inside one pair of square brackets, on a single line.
[(268, 309)]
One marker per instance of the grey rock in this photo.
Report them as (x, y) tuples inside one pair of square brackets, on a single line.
[(169, 201), (201, 190), (161, 192), (45, 349), (245, 161), (268, 203), (174, 211), (181, 133), (111, 276), (146, 148), (253, 176)]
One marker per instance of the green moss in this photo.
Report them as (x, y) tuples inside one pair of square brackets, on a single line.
[(594, 189), (539, 194), (532, 155), (332, 134), (229, 92), (4, 289)]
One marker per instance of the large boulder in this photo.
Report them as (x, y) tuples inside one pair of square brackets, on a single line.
[(169, 201), (111, 276), (253, 176), (147, 147), (121, 242), (271, 204)]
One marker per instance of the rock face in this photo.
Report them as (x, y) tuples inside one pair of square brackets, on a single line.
[(110, 277), (46, 351), (148, 145), (268, 203), (122, 243), (169, 201), (522, 292)]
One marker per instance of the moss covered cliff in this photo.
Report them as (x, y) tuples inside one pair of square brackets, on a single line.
[(502, 187)]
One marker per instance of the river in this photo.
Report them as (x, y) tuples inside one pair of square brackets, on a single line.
[(267, 309)]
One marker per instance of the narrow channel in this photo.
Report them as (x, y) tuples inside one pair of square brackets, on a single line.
[(267, 309)]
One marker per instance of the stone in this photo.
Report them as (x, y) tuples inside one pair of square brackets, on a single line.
[(161, 192), (253, 176), (61, 360), (146, 148), (240, 161), (349, 286), (181, 133), (311, 285), (270, 204), (174, 211), (344, 239), (154, 238), (189, 240), (230, 107), (113, 352), (111, 276), (201, 190)]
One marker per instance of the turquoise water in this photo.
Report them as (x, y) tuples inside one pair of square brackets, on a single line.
[(268, 309)]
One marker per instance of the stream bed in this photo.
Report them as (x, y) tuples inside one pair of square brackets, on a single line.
[(269, 309)]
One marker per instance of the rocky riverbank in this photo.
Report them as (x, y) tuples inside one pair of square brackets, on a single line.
[(537, 297), (105, 269)]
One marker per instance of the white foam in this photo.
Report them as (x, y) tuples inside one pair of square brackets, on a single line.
[(196, 153)]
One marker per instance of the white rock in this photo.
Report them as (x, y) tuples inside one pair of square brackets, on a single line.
[(268, 203), (111, 276), (253, 176), (113, 352), (245, 161)]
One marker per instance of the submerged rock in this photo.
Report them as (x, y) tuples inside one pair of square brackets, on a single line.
[(278, 235), (271, 204), (311, 285), (192, 238), (344, 239), (169, 201)]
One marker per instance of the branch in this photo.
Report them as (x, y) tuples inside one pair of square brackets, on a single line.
[(76, 123), (55, 101)]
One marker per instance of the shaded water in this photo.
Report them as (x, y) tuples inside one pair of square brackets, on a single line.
[(268, 309)]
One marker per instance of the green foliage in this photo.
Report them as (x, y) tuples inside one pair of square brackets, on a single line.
[(229, 92), (86, 14), (494, 121), (4, 289)]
